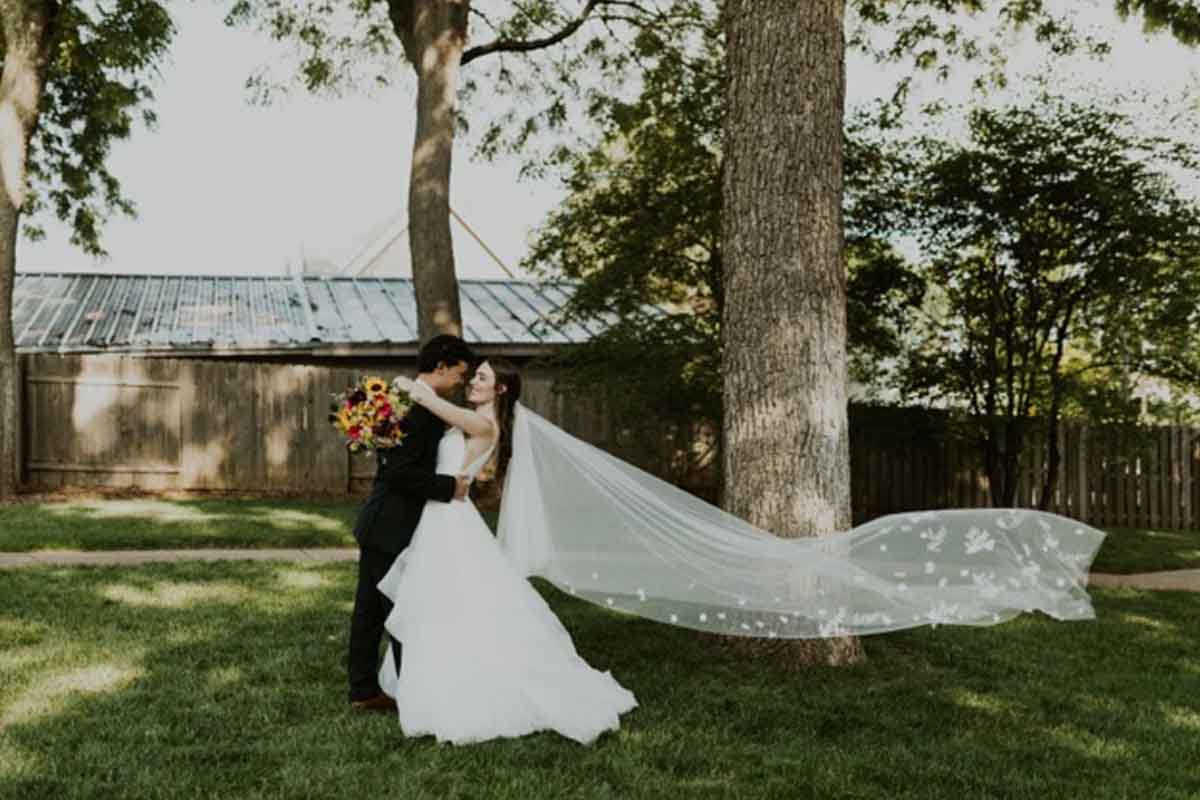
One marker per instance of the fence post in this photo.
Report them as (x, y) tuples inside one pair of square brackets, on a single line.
[(1082, 509), (1186, 460), (23, 427), (1177, 465)]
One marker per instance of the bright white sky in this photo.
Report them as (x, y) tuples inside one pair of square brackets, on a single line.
[(224, 187)]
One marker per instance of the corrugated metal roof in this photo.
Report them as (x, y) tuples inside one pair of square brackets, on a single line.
[(89, 312)]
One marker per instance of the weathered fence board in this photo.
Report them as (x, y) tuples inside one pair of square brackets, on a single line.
[(219, 425)]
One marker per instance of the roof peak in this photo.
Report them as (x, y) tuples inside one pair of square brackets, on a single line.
[(40, 273)]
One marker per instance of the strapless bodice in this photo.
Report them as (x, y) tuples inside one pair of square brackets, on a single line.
[(451, 451)]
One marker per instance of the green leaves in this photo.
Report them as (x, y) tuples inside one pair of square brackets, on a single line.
[(99, 77), (1180, 17), (940, 36), (1062, 263)]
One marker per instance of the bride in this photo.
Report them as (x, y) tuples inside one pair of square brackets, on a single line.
[(485, 657)]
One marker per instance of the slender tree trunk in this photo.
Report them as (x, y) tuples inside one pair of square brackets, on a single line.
[(1056, 398), (1053, 461), (787, 458), (28, 30), (1053, 426), (10, 421), (1014, 442), (434, 35)]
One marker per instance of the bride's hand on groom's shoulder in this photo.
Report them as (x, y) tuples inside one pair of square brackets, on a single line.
[(462, 486), (419, 393)]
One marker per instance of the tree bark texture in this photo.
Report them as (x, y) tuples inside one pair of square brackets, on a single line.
[(28, 33), (786, 457), (434, 35)]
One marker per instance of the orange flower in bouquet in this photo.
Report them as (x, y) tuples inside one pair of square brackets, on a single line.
[(368, 414)]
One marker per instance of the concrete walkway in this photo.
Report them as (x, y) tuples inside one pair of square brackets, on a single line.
[(1181, 580), (1185, 580)]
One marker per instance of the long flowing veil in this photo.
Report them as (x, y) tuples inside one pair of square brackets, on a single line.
[(603, 530)]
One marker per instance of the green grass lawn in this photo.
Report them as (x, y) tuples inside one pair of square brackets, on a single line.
[(226, 681), (145, 523), (1133, 550), (141, 523)]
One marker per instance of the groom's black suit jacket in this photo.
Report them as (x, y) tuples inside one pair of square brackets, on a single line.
[(404, 479)]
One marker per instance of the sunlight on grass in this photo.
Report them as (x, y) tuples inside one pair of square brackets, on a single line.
[(51, 694), (13, 631), (247, 700), (1148, 622), (183, 636), (301, 579), (222, 677), (290, 519), (163, 511), (15, 658), (15, 761), (1086, 743), (149, 510), (1153, 534), (93, 523), (1187, 718), (975, 701), (174, 595)]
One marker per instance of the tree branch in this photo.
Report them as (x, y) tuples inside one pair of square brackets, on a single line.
[(524, 46), (403, 15), (486, 19)]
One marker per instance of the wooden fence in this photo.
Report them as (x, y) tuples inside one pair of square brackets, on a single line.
[(159, 423), (219, 425), (908, 459)]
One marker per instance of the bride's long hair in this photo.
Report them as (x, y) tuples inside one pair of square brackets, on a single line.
[(486, 488), (508, 376)]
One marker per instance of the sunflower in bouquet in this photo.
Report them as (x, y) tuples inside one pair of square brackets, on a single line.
[(368, 414)]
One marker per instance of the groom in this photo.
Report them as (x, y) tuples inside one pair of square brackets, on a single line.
[(404, 480)]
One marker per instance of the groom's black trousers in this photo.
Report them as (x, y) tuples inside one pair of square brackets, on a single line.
[(371, 608)]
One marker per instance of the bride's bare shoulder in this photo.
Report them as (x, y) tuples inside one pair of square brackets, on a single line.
[(482, 427)]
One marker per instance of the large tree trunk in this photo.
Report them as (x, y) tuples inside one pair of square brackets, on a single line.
[(27, 35), (434, 34), (786, 458)]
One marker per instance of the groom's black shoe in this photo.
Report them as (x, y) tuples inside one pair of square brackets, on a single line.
[(380, 702)]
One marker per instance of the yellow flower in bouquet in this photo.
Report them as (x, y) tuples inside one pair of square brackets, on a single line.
[(369, 414)]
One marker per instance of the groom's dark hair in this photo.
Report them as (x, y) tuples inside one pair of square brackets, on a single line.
[(444, 349)]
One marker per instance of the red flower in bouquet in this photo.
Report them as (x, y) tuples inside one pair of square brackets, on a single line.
[(368, 414)]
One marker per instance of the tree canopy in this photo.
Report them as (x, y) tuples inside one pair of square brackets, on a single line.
[(1054, 244), (99, 81)]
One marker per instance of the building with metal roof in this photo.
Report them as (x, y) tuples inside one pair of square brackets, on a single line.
[(217, 315), (213, 382)]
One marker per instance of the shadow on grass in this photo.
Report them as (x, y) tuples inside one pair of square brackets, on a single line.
[(1132, 550), (145, 523), (227, 681), (106, 524)]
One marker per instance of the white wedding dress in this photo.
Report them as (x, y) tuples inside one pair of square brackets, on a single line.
[(483, 655)]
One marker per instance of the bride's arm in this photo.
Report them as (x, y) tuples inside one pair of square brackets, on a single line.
[(471, 422)]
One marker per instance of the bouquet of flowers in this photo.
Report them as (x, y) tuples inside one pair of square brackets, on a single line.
[(368, 414)]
